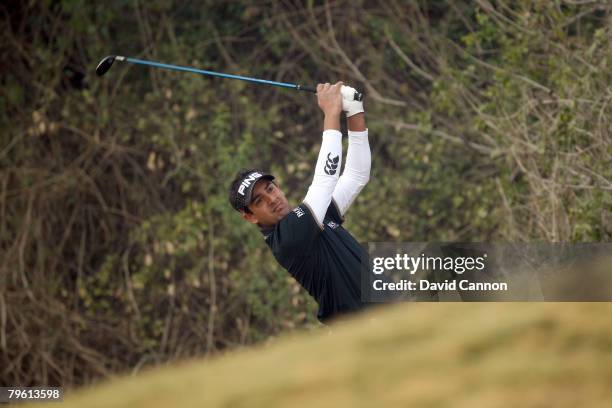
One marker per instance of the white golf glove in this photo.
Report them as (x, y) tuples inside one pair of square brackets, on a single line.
[(350, 106)]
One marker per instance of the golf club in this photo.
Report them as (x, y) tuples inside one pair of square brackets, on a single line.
[(107, 62)]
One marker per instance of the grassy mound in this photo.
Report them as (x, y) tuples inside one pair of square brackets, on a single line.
[(433, 355)]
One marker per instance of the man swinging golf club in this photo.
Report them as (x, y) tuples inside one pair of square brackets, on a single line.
[(309, 240)]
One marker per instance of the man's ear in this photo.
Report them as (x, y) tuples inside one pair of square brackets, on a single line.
[(250, 217)]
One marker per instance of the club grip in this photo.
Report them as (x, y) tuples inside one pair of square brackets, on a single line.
[(357, 97), (306, 88)]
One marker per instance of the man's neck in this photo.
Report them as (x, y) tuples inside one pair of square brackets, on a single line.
[(265, 229)]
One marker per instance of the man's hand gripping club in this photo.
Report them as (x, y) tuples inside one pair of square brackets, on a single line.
[(329, 99), (349, 105)]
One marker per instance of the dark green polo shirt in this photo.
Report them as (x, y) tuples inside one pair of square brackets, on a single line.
[(326, 262)]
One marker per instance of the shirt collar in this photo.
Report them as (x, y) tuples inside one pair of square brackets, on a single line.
[(266, 231)]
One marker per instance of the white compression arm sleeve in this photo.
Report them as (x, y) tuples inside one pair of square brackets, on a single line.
[(326, 174), (356, 170)]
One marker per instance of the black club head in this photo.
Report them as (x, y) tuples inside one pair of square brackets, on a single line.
[(105, 65)]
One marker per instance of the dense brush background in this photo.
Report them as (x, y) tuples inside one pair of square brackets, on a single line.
[(489, 120)]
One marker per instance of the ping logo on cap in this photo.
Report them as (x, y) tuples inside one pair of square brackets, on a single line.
[(247, 181)]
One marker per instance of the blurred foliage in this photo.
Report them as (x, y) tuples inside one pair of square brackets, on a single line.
[(487, 121)]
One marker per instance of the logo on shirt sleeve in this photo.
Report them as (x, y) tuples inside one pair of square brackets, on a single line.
[(332, 225), (331, 165), (298, 211)]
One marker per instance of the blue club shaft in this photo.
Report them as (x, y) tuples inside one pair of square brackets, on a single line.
[(213, 73), (106, 63)]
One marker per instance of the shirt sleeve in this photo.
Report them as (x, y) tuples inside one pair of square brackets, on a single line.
[(326, 175), (356, 171), (333, 213)]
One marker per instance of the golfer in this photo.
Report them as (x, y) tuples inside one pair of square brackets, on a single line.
[(309, 240)]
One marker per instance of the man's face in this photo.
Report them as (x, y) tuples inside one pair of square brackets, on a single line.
[(268, 204)]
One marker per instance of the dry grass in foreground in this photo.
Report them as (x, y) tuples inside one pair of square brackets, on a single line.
[(432, 355)]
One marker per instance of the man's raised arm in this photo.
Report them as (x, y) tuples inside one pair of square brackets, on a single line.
[(358, 157), (327, 170)]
